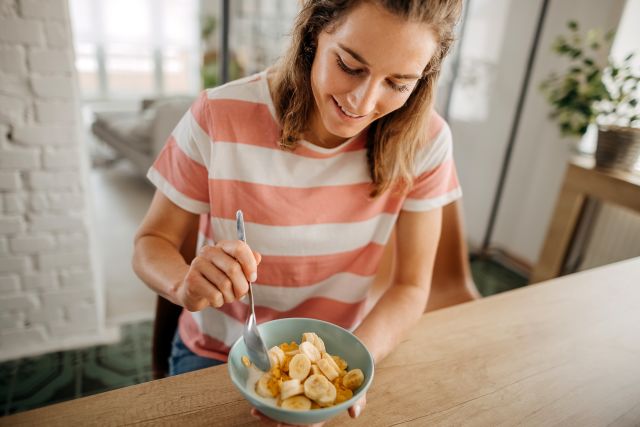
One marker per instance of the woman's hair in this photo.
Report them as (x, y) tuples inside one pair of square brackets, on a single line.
[(392, 140)]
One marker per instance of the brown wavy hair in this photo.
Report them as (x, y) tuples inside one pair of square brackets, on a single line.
[(392, 140)]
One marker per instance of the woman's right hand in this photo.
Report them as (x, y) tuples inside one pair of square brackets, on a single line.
[(218, 275)]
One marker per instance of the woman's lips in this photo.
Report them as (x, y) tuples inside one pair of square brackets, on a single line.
[(344, 115)]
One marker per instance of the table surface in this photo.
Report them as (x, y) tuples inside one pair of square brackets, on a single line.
[(562, 352)]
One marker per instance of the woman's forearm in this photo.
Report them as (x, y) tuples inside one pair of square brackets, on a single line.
[(159, 265), (395, 313)]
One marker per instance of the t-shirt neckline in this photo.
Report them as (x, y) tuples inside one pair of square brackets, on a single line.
[(266, 94)]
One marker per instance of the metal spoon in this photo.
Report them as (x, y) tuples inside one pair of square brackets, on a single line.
[(250, 334)]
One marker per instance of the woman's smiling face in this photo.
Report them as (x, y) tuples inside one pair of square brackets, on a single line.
[(365, 68)]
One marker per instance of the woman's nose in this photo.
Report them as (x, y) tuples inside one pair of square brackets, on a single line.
[(363, 99)]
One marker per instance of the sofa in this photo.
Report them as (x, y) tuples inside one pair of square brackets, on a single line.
[(140, 135)]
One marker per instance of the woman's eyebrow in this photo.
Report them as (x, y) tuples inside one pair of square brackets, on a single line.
[(359, 58)]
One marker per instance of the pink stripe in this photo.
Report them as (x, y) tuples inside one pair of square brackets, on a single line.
[(303, 205), (301, 271), (336, 312), (184, 174), (436, 182), (201, 344)]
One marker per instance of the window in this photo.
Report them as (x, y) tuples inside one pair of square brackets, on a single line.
[(135, 48)]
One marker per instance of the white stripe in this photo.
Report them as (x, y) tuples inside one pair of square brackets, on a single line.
[(192, 139), (240, 90), (344, 287), (186, 203), (248, 163), (309, 240), (218, 325), (419, 205), (435, 153)]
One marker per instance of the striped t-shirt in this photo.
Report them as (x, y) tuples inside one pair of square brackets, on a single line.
[(308, 212)]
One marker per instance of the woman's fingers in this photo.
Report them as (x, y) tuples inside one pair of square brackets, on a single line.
[(241, 252), (198, 292), (214, 275), (356, 409), (228, 266)]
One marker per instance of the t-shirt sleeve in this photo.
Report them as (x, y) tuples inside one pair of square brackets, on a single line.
[(180, 171), (436, 183)]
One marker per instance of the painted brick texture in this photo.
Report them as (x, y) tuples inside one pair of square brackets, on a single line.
[(48, 292)]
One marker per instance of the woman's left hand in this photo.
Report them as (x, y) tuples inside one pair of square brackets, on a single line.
[(354, 412)]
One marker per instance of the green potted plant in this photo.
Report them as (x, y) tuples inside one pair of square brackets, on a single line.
[(594, 91)]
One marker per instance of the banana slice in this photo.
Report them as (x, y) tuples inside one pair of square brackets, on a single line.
[(276, 356), (262, 386), (296, 403), (328, 369), (342, 364), (319, 389), (299, 367), (331, 361), (315, 370), (314, 339), (290, 388), (310, 351), (353, 379)]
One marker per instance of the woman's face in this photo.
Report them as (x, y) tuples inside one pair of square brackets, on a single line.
[(363, 69)]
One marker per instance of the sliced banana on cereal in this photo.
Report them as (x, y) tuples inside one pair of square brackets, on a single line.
[(310, 351), (328, 369), (353, 379), (315, 370), (319, 389), (299, 366), (314, 339), (291, 388), (262, 386), (276, 356), (296, 403)]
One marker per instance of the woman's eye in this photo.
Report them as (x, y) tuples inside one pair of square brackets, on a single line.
[(345, 68), (399, 88)]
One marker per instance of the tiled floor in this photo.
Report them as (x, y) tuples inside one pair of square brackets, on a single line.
[(33, 382), (37, 381)]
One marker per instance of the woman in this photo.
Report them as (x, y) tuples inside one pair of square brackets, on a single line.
[(327, 153)]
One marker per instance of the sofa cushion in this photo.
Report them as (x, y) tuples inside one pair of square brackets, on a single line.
[(132, 128)]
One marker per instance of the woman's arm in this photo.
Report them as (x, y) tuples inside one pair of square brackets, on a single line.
[(404, 302), (217, 275)]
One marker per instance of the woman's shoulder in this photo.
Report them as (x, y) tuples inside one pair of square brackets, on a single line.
[(436, 126), (250, 89)]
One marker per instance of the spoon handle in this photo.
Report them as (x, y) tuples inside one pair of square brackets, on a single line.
[(242, 236)]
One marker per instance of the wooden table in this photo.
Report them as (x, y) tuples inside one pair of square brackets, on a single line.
[(566, 352), (581, 181)]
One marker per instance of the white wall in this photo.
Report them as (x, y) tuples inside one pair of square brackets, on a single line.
[(540, 155), (50, 297)]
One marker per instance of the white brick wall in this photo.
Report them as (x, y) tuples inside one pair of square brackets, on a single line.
[(48, 293)]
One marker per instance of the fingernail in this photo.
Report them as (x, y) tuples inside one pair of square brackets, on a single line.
[(254, 276), (356, 411)]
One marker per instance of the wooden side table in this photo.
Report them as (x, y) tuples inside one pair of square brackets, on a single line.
[(581, 180)]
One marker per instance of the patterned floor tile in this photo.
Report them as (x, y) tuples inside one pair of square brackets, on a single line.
[(44, 380), (492, 278)]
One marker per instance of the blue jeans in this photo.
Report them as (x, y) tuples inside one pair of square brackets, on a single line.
[(184, 360)]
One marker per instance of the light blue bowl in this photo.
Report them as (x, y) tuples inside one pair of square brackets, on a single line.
[(337, 340)]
